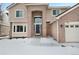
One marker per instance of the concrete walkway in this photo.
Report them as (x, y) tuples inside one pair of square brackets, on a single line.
[(43, 41)]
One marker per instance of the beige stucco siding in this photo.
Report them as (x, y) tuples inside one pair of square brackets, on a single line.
[(41, 8), (12, 13), (4, 30), (72, 16), (54, 30), (49, 15)]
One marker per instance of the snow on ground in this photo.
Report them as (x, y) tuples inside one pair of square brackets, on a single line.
[(35, 46)]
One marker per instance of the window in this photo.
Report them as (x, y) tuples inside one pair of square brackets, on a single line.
[(38, 20), (19, 28), (55, 12), (24, 28), (71, 26), (19, 13), (14, 28), (66, 26), (76, 26)]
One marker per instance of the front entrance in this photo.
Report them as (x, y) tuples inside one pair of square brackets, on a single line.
[(38, 29), (38, 25)]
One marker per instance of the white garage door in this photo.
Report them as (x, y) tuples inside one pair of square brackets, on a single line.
[(72, 32)]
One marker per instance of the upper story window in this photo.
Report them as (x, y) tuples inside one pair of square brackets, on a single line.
[(56, 12), (19, 13)]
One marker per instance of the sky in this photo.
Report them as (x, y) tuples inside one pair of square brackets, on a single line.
[(4, 5)]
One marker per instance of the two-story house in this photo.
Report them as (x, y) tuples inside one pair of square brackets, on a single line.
[(39, 19), (29, 19)]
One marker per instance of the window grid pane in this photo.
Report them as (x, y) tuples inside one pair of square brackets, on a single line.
[(54, 12), (19, 13), (24, 28), (19, 28), (14, 28)]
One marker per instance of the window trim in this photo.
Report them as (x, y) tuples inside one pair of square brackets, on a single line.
[(56, 11), (22, 13), (53, 12), (24, 27)]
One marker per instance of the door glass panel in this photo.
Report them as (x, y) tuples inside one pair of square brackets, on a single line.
[(38, 20), (37, 28)]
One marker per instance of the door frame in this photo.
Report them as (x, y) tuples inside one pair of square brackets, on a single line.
[(40, 24)]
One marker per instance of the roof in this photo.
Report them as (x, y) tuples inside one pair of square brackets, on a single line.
[(67, 11), (13, 4)]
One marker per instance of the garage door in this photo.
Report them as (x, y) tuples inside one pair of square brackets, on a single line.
[(72, 32)]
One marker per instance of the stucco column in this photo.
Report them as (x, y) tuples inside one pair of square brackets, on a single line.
[(29, 22), (44, 23), (10, 33)]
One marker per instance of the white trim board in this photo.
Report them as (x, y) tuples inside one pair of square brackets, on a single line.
[(57, 32)]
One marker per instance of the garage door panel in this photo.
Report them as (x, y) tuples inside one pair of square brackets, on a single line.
[(72, 32)]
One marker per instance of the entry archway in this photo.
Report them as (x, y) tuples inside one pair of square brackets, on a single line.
[(37, 23)]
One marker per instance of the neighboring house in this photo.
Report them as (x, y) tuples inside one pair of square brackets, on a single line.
[(29, 19), (0, 22), (4, 23)]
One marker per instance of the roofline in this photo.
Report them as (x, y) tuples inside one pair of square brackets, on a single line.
[(36, 3), (67, 11), (59, 6), (60, 15), (13, 4)]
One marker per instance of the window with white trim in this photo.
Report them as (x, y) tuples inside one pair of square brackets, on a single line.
[(19, 13), (19, 28), (56, 12)]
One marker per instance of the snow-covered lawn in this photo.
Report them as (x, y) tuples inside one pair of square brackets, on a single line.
[(35, 46)]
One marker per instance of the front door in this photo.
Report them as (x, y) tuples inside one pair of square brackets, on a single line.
[(38, 25), (38, 29)]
